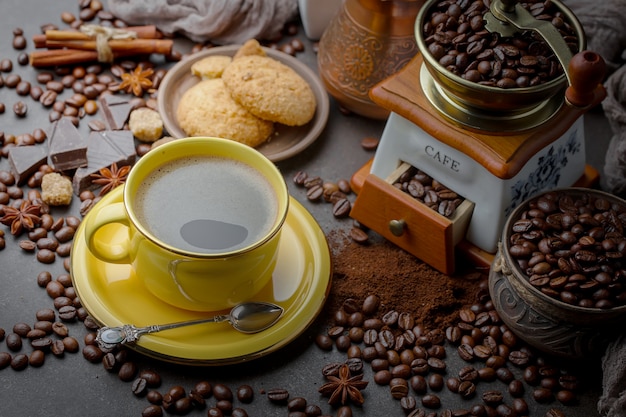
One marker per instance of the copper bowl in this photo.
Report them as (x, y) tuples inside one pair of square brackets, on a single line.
[(544, 322), (494, 100)]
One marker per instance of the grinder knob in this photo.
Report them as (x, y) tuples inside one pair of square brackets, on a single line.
[(586, 70)]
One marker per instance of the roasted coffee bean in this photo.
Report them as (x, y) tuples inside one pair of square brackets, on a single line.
[(554, 412), (90, 352), (245, 394), (109, 362), (431, 401), (278, 395), (204, 388), (44, 325), (239, 412), (468, 373), (67, 313), (139, 387), (20, 109), (14, 342), (21, 329), (42, 343), (152, 378), (19, 362), (12, 80), (492, 397), (314, 192), (435, 382), (342, 208), (6, 65), (71, 344), (152, 411), (359, 235), (399, 387), (324, 342), (382, 377), (408, 403), (23, 88), (127, 371), (467, 389), (436, 364), (46, 256), (19, 42), (343, 343)]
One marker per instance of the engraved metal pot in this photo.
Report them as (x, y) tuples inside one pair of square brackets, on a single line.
[(366, 42), (545, 323)]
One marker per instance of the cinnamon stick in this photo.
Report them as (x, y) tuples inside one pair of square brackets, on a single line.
[(55, 57), (143, 32), (138, 46)]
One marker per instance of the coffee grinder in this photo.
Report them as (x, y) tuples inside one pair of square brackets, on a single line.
[(492, 146)]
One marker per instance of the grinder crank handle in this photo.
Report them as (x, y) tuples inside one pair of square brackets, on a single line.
[(586, 72)]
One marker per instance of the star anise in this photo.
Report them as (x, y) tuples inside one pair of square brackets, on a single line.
[(110, 178), (344, 387), (26, 217), (137, 81)]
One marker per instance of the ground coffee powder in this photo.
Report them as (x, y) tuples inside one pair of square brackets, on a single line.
[(401, 281)]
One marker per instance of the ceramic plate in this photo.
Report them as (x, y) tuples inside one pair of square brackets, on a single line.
[(113, 295), (286, 142)]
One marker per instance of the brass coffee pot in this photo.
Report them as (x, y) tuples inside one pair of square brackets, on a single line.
[(366, 42)]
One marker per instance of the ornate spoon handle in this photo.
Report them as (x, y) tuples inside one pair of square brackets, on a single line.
[(109, 337)]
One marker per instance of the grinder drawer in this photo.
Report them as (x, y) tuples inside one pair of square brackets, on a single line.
[(409, 223)]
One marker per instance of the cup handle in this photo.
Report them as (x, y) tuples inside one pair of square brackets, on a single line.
[(117, 253), (172, 267)]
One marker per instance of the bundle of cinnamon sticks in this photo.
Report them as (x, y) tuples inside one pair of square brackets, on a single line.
[(68, 47)]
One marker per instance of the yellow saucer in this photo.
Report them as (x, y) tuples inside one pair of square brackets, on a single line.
[(113, 295)]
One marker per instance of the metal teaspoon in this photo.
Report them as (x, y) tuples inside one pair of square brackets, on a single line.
[(249, 317)]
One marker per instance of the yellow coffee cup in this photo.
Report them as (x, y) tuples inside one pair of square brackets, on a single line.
[(203, 216)]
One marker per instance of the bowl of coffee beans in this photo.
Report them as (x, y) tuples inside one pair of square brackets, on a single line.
[(558, 280), (480, 69)]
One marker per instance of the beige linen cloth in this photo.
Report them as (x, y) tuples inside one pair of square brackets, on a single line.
[(604, 23), (219, 21)]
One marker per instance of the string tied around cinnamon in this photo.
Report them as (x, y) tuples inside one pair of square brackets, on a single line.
[(102, 35)]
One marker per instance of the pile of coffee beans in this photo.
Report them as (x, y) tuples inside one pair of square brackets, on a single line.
[(571, 247), (49, 334), (428, 191), (335, 193), (411, 360), (455, 33)]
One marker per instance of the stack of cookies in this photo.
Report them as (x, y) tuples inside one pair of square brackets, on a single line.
[(242, 97)]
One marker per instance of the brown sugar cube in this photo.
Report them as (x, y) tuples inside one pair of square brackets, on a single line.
[(56, 189), (146, 124)]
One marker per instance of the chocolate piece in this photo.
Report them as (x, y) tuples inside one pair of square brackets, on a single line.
[(67, 149), (116, 110), (104, 148), (26, 160)]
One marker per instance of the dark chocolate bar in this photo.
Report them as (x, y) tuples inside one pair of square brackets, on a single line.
[(66, 149), (103, 149), (115, 109), (26, 160)]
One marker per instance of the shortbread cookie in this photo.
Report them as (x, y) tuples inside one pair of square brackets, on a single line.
[(207, 109), (250, 47), (270, 90), (210, 67)]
